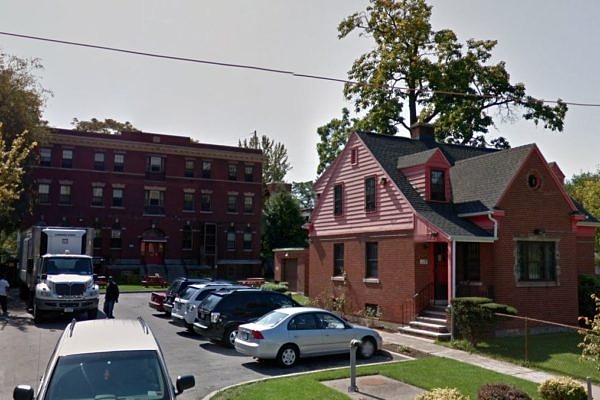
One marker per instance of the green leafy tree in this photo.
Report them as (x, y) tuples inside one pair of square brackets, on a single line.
[(585, 188), (275, 165), (108, 126), (12, 169), (282, 223), (304, 193), (452, 85), (590, 346)]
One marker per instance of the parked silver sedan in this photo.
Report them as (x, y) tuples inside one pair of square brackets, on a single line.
[(286, 334)]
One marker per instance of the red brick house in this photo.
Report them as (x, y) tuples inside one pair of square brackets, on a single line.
[(154, 200), (404, 222)]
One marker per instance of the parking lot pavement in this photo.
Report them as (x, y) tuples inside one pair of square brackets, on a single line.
[(28, 347)]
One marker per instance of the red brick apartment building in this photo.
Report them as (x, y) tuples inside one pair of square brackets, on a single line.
[(401, 223), (154, 200)]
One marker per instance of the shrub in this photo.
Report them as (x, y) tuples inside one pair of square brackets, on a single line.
[(443, 394), (474, 317), (281, 287), (501, 391), (563, 388)]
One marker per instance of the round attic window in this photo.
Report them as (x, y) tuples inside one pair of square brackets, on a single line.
[(533, 180)]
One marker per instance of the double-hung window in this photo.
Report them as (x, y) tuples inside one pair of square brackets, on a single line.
[(370, 194), (437, 185), (338, 202), (371, 260), (536, 261), (338, 259)]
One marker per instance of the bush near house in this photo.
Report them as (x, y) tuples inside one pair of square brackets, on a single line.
[(281, 287), (588, 285), (562, 388), (501, 391), (474, 317), (442, 394)]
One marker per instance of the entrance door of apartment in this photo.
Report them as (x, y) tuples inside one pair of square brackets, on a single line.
[(153, 252), (440, 271)]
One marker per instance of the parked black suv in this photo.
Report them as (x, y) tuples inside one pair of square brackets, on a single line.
[(222, 311), (177, 288)]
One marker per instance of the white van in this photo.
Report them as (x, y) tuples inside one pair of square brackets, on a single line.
[(184, 307)]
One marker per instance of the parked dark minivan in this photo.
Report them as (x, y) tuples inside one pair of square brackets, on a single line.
[(222, 311)]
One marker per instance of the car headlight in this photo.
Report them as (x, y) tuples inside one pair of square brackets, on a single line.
[(43, 290)]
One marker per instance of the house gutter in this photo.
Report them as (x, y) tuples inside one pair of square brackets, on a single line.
[(489, 214)]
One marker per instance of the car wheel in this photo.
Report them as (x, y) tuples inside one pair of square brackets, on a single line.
[(367, 348), (92, 314), (287, 356), (229, 337)]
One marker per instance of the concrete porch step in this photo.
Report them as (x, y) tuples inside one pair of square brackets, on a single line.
[(440, 328), (432, 320), (425, 333)]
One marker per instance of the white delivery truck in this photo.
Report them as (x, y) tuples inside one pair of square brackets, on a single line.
[(56, 270)]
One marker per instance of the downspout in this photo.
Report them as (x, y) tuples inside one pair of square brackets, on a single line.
[(453, 269), (495, 225)]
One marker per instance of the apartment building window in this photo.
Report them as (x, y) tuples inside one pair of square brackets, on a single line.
[(98, 238), (248, 238), (154, 202), (155, 164), (206, 202), (65, 194), (231, 238), (67, 158), (232, 172), (338, 205), (186, 237), (97, 196), (437, 186), (536, 261), (115, 237), (338, 259), (232, 205), (188, 201), (44, 193), (370, 194), (99, 161), (119, 162), (248, 204), (371, 260), (46, 156), (188, 171), (249, 173), (206, 169), (117, 197)]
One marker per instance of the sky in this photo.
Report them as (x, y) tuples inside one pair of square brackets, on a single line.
[(551, 46)]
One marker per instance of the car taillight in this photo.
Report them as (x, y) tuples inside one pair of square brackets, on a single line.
[(257, 335)]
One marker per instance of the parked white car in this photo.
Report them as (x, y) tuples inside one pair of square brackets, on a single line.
[(286, 334), (185, 307)]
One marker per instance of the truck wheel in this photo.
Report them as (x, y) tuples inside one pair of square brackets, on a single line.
[(92, 314), (23, 292), (37, 315)]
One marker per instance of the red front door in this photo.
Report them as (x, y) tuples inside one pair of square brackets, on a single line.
[(153, 252), (440, 272)]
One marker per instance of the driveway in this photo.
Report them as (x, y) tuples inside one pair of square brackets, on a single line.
[(28, 348)]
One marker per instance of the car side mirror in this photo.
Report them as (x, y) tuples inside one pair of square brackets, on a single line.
[(185, 382), (23, 392)]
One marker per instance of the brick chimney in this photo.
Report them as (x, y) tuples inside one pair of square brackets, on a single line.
[(557, 172), (423, 132)]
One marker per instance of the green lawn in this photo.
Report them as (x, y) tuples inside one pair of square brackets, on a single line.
[(427, 373), (136, 288), (553, 352)]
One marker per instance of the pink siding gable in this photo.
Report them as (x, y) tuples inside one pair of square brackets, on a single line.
[(393, 212)]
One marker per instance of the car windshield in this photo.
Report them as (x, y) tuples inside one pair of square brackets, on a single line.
[(67, 265), (271, 319), (123, 375), (189, 293)]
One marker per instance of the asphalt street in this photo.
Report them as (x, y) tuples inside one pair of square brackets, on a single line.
[(25, 349)]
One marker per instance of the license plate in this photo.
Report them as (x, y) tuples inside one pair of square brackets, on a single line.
[(68, 309)]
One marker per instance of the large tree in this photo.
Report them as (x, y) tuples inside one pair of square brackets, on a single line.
[(109, 126), (282, 223), (304, 193), (454, 86), (12, 169), (275, 165)]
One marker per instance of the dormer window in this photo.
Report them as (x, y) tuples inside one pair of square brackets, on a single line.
[(437, 185)]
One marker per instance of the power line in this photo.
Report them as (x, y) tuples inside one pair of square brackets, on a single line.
[(267, 69)]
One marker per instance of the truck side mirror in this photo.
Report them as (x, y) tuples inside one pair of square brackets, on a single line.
[(185, 382), (23, 392)]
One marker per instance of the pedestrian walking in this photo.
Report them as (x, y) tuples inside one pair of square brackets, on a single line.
[(111, 297), (4, 285)]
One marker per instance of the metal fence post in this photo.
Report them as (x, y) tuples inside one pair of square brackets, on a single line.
[(354, 343), (589, 388)]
